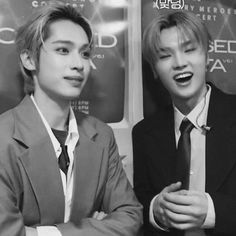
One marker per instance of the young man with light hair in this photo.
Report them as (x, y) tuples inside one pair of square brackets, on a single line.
[(184, 156), (60, 172)]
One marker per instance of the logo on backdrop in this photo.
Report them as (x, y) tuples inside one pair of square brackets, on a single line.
[(168, 4)]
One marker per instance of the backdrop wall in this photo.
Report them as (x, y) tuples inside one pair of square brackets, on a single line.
[(114, 89), (220, 18)]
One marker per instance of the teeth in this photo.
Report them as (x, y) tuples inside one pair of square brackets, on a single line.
[(184, 75)]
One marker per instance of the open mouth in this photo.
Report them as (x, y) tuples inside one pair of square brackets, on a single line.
[(183, 77)]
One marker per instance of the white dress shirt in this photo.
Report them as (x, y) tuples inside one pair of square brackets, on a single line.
[(198, 117), (67, 182)]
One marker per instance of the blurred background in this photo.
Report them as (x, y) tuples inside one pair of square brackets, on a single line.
[(121, 89)]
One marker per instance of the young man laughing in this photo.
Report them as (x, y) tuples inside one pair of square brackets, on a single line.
[(184, 156)]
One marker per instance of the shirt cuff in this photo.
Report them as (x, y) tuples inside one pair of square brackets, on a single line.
[(48, 230), (151, 216), (211, 216)]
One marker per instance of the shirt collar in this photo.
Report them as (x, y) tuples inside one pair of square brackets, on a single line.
[(73, 134), (198, 116)]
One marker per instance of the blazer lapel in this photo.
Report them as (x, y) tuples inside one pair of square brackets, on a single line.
[(40, 162), (219, 147), (87, 163)]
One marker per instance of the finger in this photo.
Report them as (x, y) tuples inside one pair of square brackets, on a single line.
[(159, 213), (173, 187), (177, 208), (95, 214), (165, 223), (177, 218), (179, 199), (182, 226), (182, 192), (101, 215)]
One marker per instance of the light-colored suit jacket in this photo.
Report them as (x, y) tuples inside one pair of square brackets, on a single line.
[(31, 191)]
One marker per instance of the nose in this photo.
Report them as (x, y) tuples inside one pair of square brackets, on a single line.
[(76, 62), (179, 61)]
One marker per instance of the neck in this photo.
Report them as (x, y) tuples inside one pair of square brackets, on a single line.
[(56, 113), (186, 105)]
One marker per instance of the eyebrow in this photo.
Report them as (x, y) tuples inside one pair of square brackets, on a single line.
[(68, 42), (182, 44), (186, 43)]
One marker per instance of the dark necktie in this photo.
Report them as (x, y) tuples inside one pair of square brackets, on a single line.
[(184, 153), (63, 159)]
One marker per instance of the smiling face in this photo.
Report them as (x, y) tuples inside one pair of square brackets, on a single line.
[(181, 66), (64, 62)]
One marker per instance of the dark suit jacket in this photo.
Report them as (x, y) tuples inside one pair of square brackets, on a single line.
[(31, 191), (155, 159)]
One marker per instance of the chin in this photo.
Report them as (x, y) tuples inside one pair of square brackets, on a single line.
[(72, 94), (69, 97)]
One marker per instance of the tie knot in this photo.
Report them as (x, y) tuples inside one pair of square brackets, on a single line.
[(63, 148), (186, 126)]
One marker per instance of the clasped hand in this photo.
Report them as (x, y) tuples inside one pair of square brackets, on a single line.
[(180, 209)]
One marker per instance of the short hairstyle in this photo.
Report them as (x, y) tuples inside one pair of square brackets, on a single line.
[(31, 36), (186, 22)]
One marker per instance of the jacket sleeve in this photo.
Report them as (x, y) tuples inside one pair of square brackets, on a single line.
[(124, 212), (225, 209), (11, 219), (142, 185)]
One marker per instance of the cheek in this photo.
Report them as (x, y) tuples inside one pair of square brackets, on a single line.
[(164, 65), (200, 60), (87, 67), (48, 63), (201, 65), (163, 71)]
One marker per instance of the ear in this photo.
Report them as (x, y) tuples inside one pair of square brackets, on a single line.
[(207, 61), (27, 60), (155, 73)]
